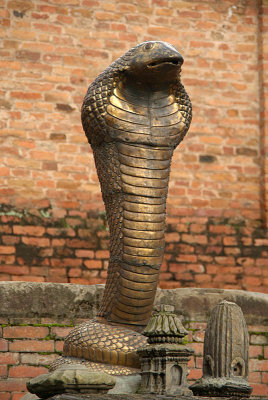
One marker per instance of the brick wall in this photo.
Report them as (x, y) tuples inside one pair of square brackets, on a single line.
[(200, 251), (263, 77), (32, 337), (50, 52)]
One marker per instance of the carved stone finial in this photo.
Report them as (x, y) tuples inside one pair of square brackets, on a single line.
[(164, 360), (165, 326), (225, 363)]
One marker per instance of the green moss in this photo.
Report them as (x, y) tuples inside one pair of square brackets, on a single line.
[(45, 213), (71, 324), (64, 223), (258, 333), (185, 340)]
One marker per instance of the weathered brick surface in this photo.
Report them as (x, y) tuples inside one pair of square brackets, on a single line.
[(49, 55), (80, 254)]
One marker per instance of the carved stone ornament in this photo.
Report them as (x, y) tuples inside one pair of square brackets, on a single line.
[(225, 363), (134, 115), (164, 360)]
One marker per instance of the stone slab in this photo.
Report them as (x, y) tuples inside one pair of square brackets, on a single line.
[(65, 300), (131, 397)]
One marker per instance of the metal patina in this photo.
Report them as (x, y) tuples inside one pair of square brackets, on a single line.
[(134, 115)]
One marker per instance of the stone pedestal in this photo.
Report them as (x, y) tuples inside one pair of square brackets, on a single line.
[(225, 362), (164, 369), (164, 361), (73, 379)]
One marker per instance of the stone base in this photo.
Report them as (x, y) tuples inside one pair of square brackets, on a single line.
[(126, 384), (130, 397), (222, 387), (76, 379)]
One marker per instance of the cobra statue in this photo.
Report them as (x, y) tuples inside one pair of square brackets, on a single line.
[(134, 115)]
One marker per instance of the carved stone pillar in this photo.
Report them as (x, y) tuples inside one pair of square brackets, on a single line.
[(225, 363), (164, 360)]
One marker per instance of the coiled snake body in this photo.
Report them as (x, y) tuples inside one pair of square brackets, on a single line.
[(134, 115)]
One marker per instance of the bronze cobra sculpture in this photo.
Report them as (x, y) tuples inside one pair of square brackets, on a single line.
[(134, 115)]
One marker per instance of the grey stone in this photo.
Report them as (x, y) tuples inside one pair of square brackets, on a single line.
[(126, 384), (164, 360), (73, 379), (225, 361), (29, 396), (195, 304), (69, 301)]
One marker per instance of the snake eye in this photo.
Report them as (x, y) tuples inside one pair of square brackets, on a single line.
[(148, 46)]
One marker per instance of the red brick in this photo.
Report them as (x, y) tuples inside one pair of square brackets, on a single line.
[(84, 253), (75, 272), (258, 365), (259, 389), (195, 374), (32, 346), (34, 241), (7, 249), (255, 351), (14, 270), (13, 385), (5, 396), (254, 377), (3, 371), (93, 264), (102, 254), (3, 345), (59, 346), (264, 378), (18, 396), (25, 332), (9, 358), (225, 260), (198, 348), (26, 371), (200, 239), (202, 278), (28, 230), (172, 237), (191, 258), (61, 332)]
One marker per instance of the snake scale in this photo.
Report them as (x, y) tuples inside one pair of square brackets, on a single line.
[(134, 115)]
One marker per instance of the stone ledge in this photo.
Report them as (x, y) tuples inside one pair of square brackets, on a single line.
[(132, 397), (66, 300)]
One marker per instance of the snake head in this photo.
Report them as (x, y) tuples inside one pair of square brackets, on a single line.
[(152, 62)]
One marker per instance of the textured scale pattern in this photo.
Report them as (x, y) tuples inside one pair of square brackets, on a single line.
[(134, 115)]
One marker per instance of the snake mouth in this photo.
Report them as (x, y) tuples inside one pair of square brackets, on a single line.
[(175, 61)]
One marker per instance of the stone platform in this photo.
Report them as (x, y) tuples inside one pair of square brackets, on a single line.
[(131, 397)]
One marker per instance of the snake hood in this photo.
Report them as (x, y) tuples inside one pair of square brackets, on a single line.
[(141, 73)]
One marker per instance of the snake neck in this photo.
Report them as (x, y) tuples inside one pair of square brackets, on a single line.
[(135, 201), (143, 127)]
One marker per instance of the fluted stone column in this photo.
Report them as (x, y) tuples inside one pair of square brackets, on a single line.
[(225, 363)]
